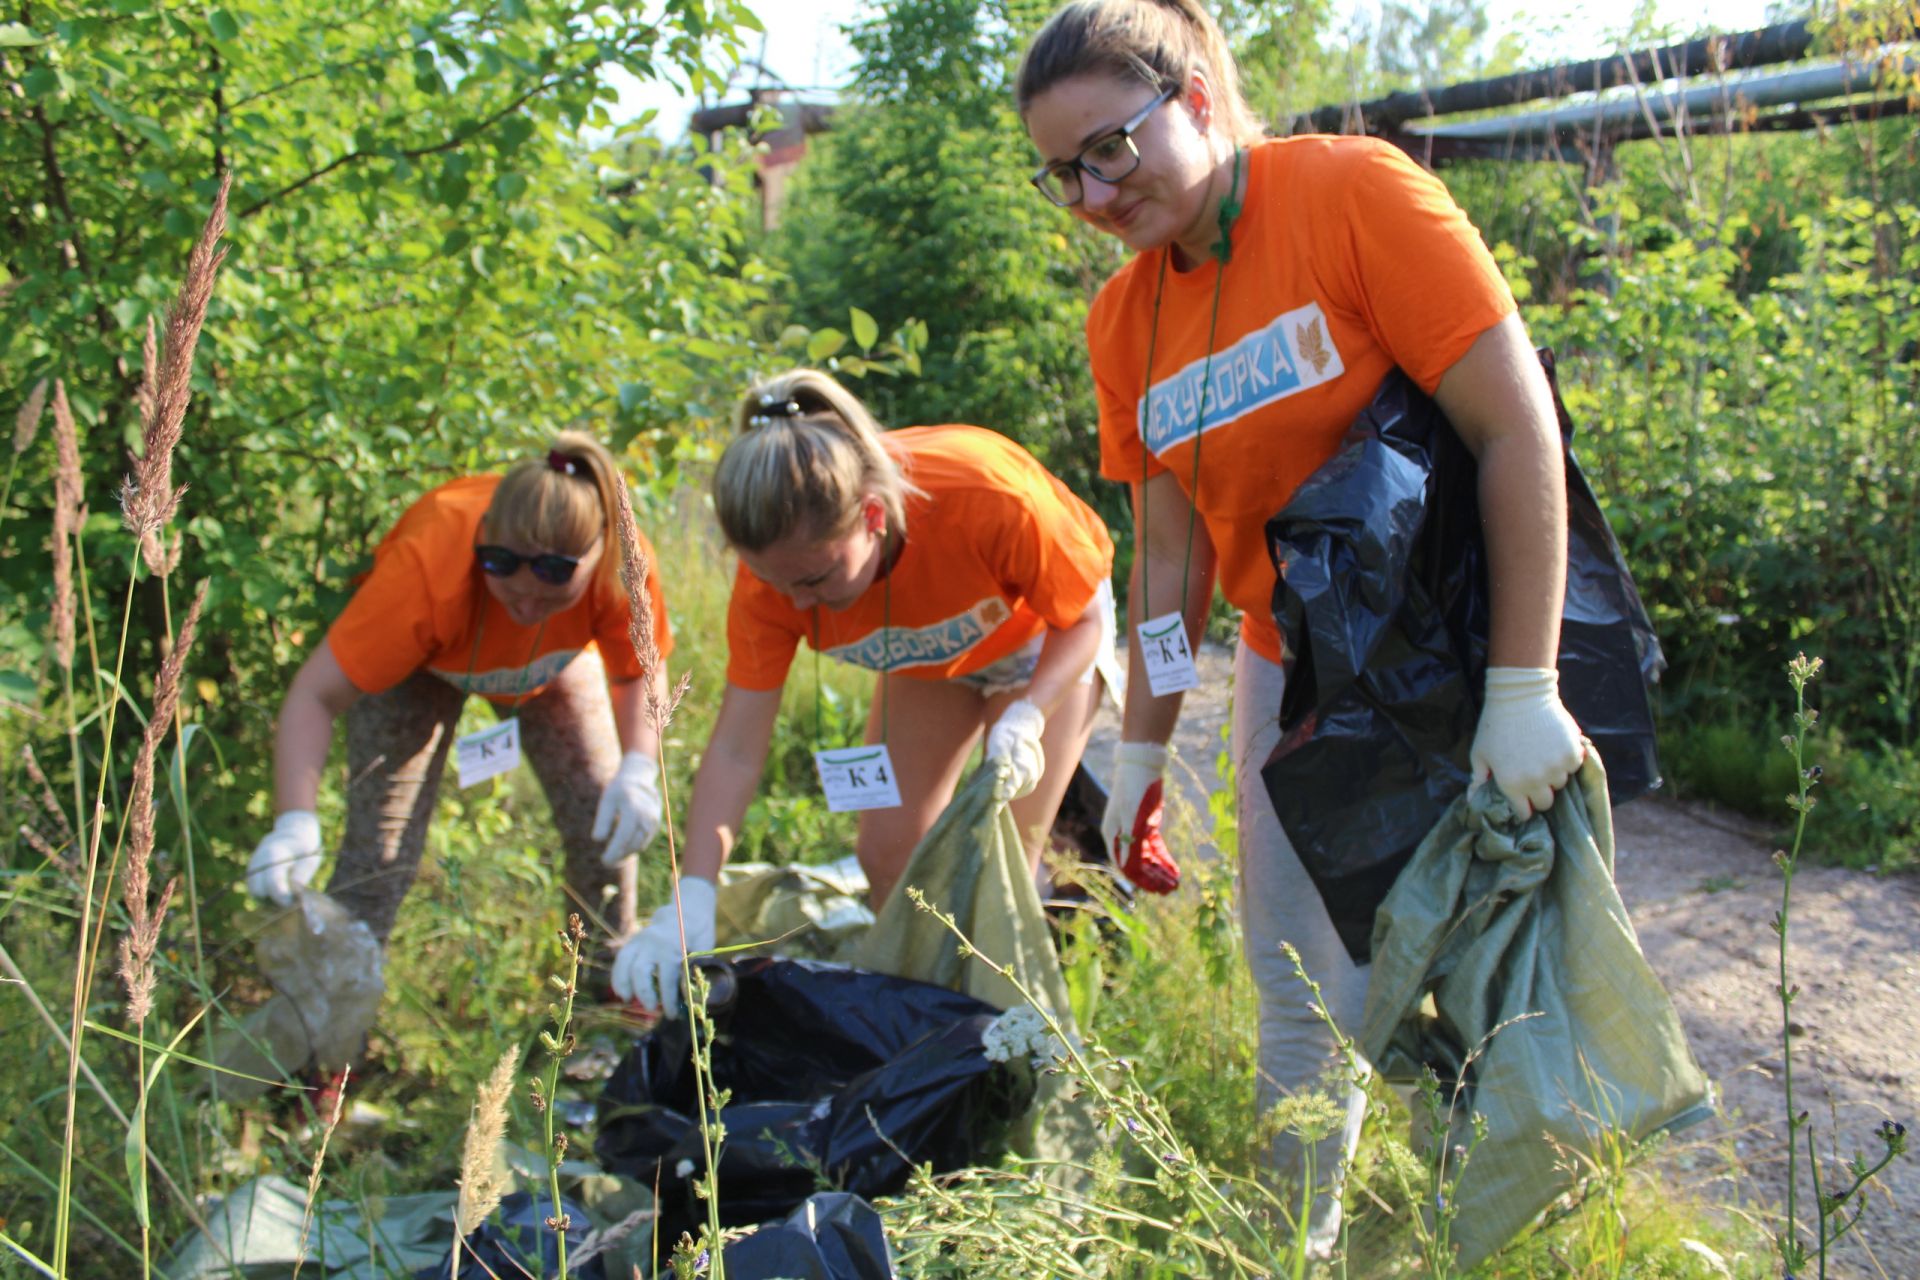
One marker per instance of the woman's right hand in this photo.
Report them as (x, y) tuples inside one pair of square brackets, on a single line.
[(288, 856), (647, 970), (1130, 827)]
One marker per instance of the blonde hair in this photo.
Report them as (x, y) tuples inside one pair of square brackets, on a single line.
[(562, 501), (1162, 42), (806, 455)]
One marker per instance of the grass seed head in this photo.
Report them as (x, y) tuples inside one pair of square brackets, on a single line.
[(482, 1184), (68, 492), (143, 930), (26, 424), (148, 498)]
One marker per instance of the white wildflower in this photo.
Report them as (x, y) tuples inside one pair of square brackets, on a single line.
[(1021, 1032)]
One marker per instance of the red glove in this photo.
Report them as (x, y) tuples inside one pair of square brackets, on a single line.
[(1147, 862), (1131, 824)]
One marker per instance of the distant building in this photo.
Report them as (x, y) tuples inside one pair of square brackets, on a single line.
[(786, 146)]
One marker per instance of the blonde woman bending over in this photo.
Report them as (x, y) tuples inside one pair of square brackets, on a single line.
[(943, 558)]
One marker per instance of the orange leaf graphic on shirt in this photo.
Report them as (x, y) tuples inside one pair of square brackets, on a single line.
[(993, 613), (1313, 345)]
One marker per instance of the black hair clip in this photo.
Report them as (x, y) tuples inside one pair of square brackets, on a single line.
[(771, 407)]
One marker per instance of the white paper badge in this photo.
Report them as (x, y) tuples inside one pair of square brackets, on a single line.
[(488, 753), (1163, 647), (858, 778)]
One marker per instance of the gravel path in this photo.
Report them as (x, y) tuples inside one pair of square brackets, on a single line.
[(1703, 889)]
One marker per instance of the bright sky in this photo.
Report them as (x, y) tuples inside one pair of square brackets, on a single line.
[(804, 45)]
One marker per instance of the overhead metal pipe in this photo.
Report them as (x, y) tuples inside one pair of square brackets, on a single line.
[(1619, 115), (1783, 42)]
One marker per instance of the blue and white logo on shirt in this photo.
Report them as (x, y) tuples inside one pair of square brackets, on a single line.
[(1288, 356), (891, 648), (511, 681)]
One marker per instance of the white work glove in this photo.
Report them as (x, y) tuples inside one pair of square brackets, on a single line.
[(1130, 828), (629, 815), (1526, 742), (647, 970), (1015, 738), (286, 858)]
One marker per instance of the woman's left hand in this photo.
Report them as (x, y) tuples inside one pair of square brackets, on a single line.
[(1526, 742), (1015, 737), (630, 808)]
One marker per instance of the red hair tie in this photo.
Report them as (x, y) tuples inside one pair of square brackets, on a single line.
[(565, 463)]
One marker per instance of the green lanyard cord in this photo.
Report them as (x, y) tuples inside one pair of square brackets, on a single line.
[(1222, 251)]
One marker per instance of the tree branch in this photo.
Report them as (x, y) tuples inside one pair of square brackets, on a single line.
[(448, 144)]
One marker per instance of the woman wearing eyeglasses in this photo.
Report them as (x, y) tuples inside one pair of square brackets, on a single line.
[(506, 586), (944, 558), (1275, 283)]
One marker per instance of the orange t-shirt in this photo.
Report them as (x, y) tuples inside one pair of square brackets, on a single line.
[(424, 605), (1348, 259), (997, 552)]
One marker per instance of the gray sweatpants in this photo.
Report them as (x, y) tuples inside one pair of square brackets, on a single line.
[(397, 746), (1278, 903)]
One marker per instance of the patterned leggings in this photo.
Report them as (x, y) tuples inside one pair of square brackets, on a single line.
[(397, 745)]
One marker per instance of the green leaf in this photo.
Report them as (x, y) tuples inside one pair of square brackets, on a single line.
[(40, 82), (136, 1148), (223, 25), (14, 35), (457, 239), (513, 131), (510, 186), (824, 343), (865, 331), (18, 687)]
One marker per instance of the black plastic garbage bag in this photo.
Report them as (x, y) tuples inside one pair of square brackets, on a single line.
[(837, 1076), (1382, 596), (834, 1235), (516, 1240)]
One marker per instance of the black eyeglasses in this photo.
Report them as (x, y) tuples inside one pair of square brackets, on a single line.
[(1109, 157), (555, 571)]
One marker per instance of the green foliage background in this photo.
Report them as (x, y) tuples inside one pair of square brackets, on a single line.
[(444, 246)]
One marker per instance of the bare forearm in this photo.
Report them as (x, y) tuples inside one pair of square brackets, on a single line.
[(1524, 510), (1145, 717), (301, 742), (319, 695), (722, 791), (729, 773), (1497, 399), (1063, 656), (631, 716)]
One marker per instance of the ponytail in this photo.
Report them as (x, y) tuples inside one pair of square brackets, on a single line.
[(807, 454), (562, 501), (1160, 42)]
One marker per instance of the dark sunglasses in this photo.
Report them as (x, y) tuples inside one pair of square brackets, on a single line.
[(555, 571)]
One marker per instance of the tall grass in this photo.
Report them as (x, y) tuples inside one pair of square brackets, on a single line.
[(1159, 991)]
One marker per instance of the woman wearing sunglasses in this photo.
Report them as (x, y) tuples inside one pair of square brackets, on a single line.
[(505, 586), (1275, 283), (945, 559)]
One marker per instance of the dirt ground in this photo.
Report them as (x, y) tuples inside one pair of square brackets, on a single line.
[(1703, 889)]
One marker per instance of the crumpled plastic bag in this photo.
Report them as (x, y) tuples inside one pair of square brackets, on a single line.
[(328, 975), (832, 1073), (792, 910), (971, 865), (515, 1240), (254, 1231), (833, 1235), (1540, 999), (1382, 595)]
